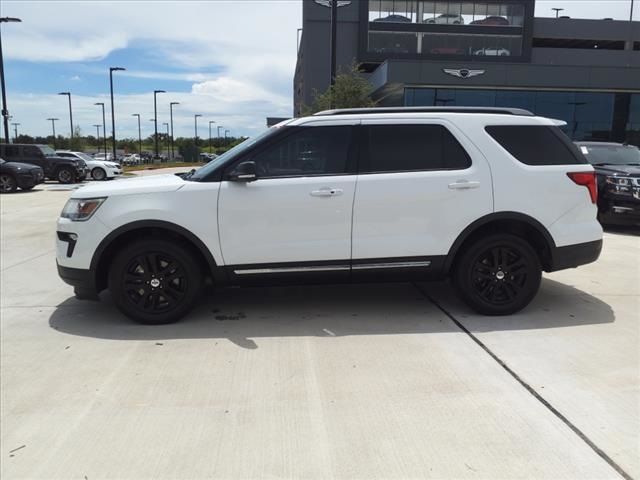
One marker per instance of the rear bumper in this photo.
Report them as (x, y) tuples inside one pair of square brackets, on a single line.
[(572, 256)]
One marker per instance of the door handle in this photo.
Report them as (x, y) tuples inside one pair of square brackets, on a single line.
[(463, 185), (326, 192)]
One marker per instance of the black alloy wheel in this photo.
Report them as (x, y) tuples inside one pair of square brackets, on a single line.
[(8, 183), (66, 175), (155, 281), (498, 275)]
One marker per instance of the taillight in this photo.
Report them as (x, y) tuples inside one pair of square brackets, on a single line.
[(586, 179)]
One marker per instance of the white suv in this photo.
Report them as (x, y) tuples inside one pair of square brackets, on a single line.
[(488, 197)]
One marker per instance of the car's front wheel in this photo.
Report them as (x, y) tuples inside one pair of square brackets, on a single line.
[(498, 275), (155, 281), (66, 175), (98, 174), (8, 183)]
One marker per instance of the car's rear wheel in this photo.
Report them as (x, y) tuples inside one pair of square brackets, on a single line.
[(66, 175), (8, 183), (98, 174), (155, 281), (498, 275)]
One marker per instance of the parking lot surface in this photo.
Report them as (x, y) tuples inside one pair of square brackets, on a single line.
[(356, 381)]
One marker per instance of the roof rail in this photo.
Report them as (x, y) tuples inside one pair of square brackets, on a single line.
[(485, 110)]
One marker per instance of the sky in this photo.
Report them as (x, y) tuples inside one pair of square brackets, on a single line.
[(232, 61)]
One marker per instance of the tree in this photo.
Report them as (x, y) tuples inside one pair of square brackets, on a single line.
[(351, 90)]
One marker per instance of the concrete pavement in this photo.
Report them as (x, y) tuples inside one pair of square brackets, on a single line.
[(360, 381)]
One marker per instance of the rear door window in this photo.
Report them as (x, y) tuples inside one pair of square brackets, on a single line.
[(407, 147), (536, 144)]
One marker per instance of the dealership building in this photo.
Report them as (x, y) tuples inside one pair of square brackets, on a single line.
[(479, 53)]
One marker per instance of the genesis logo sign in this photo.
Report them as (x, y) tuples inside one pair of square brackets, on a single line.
[(463, 72), (327, 3)]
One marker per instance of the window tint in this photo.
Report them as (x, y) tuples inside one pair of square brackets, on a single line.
[(31, 151), (9, 151), (309, 151), (536, 144), (401, 148)]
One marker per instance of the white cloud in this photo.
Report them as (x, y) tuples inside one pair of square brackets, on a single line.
[(75, 78), (249, 46)]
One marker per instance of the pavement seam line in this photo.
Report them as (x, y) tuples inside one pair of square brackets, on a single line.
[(530, 389), (28, 260)]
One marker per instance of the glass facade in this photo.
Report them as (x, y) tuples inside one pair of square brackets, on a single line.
[(454, 27), (589, 115), (454, 12)]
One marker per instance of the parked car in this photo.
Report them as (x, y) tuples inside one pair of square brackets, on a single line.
[(207, 157), (133, 159), (14, 175), (493, 21), (618, 171), (447, 18), (104, 157), (98, 169), (391, 194), (64, 170), (493, 52), (393, 19), (447, 51)]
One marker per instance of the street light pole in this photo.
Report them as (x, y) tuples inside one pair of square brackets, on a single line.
[(104, 129), (113, 115), (53, 127), (139, 135), (5, 111), (97, 125), (167, 125), (557, 10), (334, 37), (173, 156), (195, 119), (210, 122), (68, 94), (15, 132), (155, 120)]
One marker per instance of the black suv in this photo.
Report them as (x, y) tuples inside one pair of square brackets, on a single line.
[(64, 170), (617, 167)]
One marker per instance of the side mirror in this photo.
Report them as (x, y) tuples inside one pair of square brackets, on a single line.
[(244, 172)]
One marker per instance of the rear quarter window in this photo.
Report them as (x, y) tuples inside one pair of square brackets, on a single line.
[(536, 144)]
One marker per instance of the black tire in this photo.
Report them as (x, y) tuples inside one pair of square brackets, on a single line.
[(66, 175), (98, 174), (8, 183), (139, 286), (498, 274)]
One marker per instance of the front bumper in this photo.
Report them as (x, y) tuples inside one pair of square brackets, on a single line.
[(620, 209), (82, 281), (30, 179), (572, 256)]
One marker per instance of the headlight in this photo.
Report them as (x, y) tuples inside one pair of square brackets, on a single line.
[(620, 185), (112, 165), (81, 209)]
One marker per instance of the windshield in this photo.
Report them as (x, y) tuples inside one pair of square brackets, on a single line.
[(237, 150), (611, 154), (48, 151), (84, 156)]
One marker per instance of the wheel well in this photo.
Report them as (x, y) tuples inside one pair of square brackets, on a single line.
[(107, 254), (519, 228)]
